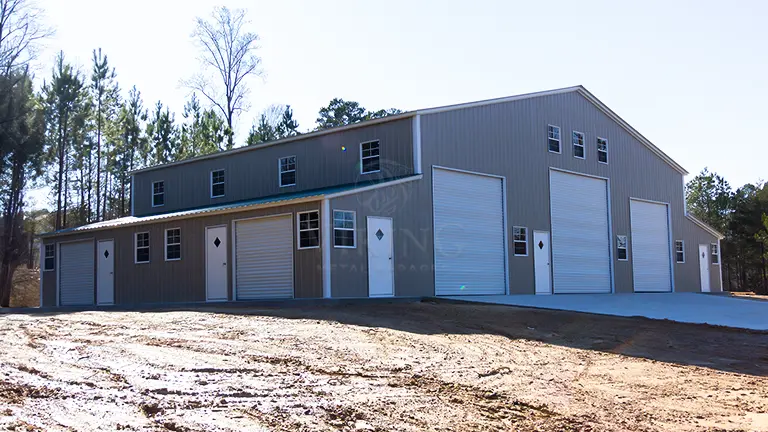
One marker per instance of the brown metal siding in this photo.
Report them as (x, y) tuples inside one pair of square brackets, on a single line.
[(253, 174), (412, 242), (510, 140), (184, 281)]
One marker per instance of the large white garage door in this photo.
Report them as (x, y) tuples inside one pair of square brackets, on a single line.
[(264, 258), (651, 255), (76, 273), (580, 236), (469, 233)]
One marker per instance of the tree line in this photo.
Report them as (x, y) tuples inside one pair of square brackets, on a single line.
[(741, 215)]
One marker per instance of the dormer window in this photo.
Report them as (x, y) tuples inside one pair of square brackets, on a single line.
[(158, 193), (369, 157), (287, 171), (217, 183)]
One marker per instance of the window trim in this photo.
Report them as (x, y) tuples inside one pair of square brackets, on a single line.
[(165, 241), (559, 139), (353, 229), (362, 165), (152, 192), (299, 230), (716, 254), (136, 247), (280, 170), (45, 256), (210, 181), (682, 251), (515, 241), (626, 247), (582, 145), (597, 143)]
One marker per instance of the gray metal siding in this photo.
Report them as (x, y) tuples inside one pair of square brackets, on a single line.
[(253, 174), (687, 275), (412, 241), (510, 140), (184, 280)]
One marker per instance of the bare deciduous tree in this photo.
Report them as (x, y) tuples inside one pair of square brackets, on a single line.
[(20, 32), (228, 55)]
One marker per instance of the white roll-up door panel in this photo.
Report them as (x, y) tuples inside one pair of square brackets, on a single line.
[(580, 234), (470, 240), (651, 255), (76, 273), (264, 258)]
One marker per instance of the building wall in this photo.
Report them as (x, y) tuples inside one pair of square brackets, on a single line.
[(184, 280), (510, 140), (253, 174), (412, 241)]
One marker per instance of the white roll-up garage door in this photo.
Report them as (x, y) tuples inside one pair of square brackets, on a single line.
[(651, 255), (76, 273), (580, 235), (264, 258), (469, 233)]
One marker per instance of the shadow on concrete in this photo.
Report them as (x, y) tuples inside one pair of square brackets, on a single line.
[(718, 348)]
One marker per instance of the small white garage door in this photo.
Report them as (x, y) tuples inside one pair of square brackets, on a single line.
[(651, 255), (76, 273), (580, 236), (264, 258), (469, 233)]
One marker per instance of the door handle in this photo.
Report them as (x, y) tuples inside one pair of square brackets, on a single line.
[(223, 264)]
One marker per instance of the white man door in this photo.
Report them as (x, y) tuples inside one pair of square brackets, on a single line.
[(381, 276), (704, 267), (105, 272), (542, 262), (216, 263)]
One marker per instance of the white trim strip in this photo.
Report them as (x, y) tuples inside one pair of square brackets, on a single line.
[(375, 186), (417, 144), (704, 226), (497, 100), (326, 247)]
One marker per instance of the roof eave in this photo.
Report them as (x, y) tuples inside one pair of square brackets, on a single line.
[(703, 225)]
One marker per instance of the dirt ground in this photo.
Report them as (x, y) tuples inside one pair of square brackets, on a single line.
[(408, 367)]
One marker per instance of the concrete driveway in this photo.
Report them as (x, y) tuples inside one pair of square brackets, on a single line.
[(681, 307)]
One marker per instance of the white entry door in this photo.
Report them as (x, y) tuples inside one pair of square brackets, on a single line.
[(542, 263), (216, 263), (381, 268), (704, 267), (105, 273)]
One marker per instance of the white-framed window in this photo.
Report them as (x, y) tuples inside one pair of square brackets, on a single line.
[(309, 229), (621, 247), (343, 229), (217, 183), (369, 157), (49, 257), (553, 138), (602, 150), (287, 167), (578, 144), (158, 193), (680, 251), (714, 252), (141, 248), (173, 244), (520, 236)]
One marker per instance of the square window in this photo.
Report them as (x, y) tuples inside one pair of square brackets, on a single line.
[(309, 230), (520, 237), (287, 171), (369, 157), (217, 183), (142, 248), (343, 229), (158, 193), (553, 138), (173, 244), (49, 257)]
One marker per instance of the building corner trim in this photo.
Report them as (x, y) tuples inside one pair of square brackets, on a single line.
[(326, 249), (417, 144)]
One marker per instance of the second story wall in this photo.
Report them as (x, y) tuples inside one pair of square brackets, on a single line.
[(321, 161)]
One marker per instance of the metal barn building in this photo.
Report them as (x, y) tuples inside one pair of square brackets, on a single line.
[(543, 193)]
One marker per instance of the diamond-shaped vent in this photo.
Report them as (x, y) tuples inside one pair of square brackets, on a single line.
[(217, 242), (541, 244), (379, 234), (106, 254)]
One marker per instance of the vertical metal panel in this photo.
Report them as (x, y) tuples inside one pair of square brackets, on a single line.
[(408, 204), (510, 140), (253, 174), (183, 280)]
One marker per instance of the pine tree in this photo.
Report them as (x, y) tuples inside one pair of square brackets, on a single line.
[(105, 93), (163, 136)]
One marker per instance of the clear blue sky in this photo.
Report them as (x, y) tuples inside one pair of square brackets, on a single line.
[(689, 75)]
